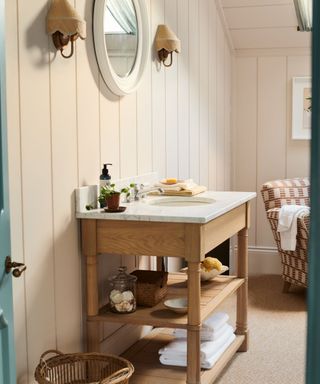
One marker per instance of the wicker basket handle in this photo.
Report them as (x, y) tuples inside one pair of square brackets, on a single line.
[(117, 377), (55, 351)]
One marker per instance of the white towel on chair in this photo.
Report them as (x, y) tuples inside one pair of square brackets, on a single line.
[(287, 224)]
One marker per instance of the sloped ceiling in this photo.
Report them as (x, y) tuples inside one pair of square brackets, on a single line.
[(255, 24)]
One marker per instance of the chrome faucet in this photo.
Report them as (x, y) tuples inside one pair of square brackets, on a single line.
[(140, 191)]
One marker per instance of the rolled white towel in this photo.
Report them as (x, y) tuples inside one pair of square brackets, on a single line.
[(287, 224), (214, 322), (178, 347), (181, 361), (205, 334)]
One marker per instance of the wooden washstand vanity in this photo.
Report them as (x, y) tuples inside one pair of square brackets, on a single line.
[(189, 238)]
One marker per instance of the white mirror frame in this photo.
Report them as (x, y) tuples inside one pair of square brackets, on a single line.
[(121, 85)]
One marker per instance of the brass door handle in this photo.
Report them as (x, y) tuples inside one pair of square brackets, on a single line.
[(18, 268)]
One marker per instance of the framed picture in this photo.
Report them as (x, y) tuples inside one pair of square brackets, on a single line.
[(301, 108)]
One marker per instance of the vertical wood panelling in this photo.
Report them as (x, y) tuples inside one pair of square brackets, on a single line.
[(15, 185), (220, 149), (245, 157), (212, 80), (194, 61), (66, 257), (128, 135), (204, 92), (183, 90), (36, 179), (263, 146), (227, 119), (68, 124), (171, 97), (109, 106), (144, 118), (87, 105), (271, 139), (158, 96), (298, 151)]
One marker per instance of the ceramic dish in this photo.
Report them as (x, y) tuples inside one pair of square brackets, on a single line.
[(178, 305), (210, 274), (213, 273), (120, 209)]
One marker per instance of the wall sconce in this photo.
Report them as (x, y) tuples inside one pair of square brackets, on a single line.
[(65, 25), (304, 14), (166, 42)]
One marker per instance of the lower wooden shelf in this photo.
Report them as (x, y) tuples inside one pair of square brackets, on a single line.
[(145, 358), (213, 293)]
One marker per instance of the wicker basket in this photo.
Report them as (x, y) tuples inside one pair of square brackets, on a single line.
[(151, 287), (82, 368)]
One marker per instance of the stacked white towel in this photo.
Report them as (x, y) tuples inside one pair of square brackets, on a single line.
[(287, 224), (218, 331), (211, 329)]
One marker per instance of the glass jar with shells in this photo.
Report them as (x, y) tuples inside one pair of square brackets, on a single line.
[(122, 295)]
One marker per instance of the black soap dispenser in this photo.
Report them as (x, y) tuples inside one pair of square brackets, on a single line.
[(105, 177)]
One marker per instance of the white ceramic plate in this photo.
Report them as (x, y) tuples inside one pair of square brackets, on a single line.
[(213, 273), (209, 275), (178, 305)]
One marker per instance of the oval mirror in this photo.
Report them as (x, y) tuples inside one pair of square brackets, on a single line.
[(121, 40)]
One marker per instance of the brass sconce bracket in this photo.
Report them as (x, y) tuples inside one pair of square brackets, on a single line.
[(163, 55), (60, 41)]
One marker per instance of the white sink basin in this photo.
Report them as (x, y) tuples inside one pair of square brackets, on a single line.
[(181, 201)]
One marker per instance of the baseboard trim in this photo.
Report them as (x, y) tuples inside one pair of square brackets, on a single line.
[(262, 261)]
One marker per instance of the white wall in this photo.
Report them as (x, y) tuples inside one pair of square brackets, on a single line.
[(64, 123), (263, 148)]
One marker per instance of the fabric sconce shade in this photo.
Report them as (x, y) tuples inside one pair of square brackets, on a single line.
[(166, 42), (304, 14), (65, 25)]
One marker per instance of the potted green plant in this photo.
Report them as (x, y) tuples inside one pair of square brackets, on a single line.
[(110, 197)]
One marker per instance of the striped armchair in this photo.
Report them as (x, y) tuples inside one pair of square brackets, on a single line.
[(290, 191)]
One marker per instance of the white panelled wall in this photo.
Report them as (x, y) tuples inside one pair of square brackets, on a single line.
[(64, 123), (263, 148)]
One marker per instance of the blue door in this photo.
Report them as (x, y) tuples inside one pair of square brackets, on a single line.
[(7, 355)]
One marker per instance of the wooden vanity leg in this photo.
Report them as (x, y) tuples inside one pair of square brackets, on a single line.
[(89, 249), (242, 294), (194, 324)]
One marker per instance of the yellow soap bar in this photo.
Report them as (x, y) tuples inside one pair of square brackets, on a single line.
[(171, 180)]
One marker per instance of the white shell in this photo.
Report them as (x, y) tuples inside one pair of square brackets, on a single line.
[(127, 295), (116, 296), (124, 306)]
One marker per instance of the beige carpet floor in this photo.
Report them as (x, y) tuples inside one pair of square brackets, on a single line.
[(277, 339)]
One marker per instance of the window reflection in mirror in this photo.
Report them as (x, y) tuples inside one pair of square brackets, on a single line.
[(121, 34)]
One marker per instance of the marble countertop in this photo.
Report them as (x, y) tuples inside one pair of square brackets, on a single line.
[(144, 211)]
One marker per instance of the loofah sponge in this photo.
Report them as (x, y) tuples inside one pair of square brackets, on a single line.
[(210, 263)]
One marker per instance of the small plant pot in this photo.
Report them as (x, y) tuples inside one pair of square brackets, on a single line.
[(113, 201)]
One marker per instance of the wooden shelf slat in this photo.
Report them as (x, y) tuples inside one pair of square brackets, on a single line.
[(212, 294), (145, 358)]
